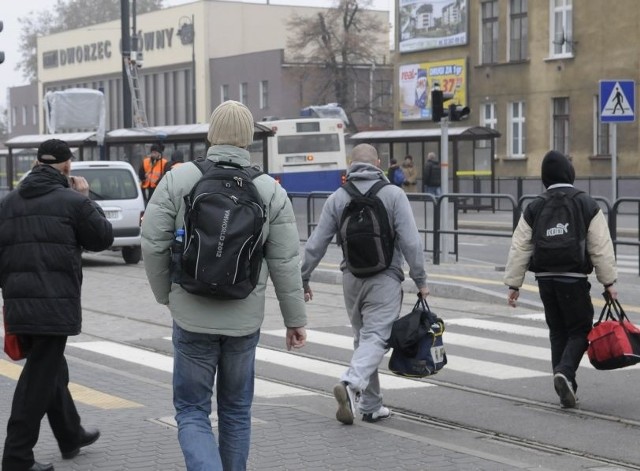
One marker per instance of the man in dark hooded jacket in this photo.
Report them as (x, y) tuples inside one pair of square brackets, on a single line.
[(44, 226), (564, 290)]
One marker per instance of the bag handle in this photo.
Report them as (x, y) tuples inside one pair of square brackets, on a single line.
[(612, 310), (421, 303)]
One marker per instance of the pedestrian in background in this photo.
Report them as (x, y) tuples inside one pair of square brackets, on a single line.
[(394, 173), (372, 303), (410, 175), (215, 340), (151, 170), (564, 290), (45, 225), (177, 159), (431, 175)]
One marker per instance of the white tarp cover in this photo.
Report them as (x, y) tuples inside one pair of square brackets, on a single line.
[(76, 109), (332, 110)]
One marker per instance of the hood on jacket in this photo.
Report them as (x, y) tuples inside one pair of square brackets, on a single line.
[(556, 168), (365, 171), (42, 180)]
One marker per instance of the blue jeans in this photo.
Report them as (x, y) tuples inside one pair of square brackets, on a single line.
[(197, 359)]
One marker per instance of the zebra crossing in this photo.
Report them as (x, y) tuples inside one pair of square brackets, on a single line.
[(627, 264), (466, 341)]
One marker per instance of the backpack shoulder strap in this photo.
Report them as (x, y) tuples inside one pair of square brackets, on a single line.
[(350, 188), (203, 164), (376, 188), (254, 171)]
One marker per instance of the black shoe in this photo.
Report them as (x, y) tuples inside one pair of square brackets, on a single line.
[(41, 466), (565, 391), (87, 437)]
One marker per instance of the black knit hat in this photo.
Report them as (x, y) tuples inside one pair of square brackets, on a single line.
[(556, 168), (54, 151)]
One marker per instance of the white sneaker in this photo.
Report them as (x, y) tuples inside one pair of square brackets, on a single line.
[(382, 413), (347, 398), (564, 390)]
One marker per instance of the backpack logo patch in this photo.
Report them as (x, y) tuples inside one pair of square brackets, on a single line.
[(559, 230)]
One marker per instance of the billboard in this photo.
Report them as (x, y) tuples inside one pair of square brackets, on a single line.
[(416, 81), (431, 24)]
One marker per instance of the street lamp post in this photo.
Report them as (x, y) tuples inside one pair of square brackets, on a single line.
[(186, 31)]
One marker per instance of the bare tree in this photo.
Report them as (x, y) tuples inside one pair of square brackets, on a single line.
[(339, 41), (66, 15)]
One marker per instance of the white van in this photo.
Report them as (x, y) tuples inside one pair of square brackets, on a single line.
[(115, 186)]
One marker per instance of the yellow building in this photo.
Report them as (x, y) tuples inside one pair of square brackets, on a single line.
[(529, 69)]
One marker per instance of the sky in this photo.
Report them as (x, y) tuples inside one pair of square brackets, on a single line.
[(13, 10)]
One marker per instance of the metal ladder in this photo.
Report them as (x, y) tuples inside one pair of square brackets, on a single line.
[(139, 113)]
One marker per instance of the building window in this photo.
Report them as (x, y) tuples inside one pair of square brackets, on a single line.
[(34, 109), (14, 115), (489, 32), (517, 129), (488, 119), (383, 91), (561, 28), (224, 93), (601, 131), (24, 115), (561, 125), (518, 31), (244, 92), (264, 94)]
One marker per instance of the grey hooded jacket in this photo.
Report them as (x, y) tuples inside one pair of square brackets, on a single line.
[(408, 244), (235, 318)]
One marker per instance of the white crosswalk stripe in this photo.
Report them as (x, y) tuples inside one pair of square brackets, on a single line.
[(458, 345)]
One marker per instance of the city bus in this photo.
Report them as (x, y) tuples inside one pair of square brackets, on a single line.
[(305, 154)]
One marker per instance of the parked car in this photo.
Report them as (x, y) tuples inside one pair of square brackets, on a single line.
[(115, 186)]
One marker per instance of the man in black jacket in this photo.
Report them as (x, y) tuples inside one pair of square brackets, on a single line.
[(44, 226)]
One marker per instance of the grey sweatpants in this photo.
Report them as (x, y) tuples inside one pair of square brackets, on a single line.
[(373, 304)]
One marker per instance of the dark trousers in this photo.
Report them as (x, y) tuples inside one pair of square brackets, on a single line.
[(569, 314), (42, 389)]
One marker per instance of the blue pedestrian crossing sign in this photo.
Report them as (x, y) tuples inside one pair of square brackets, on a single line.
[(617, 101)]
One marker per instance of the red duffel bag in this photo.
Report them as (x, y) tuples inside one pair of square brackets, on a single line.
[(614, 342)]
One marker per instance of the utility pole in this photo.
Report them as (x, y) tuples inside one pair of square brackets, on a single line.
[(126, 54)]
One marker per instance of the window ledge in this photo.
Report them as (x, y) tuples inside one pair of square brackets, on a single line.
[(600, 157), (502, 64), (508, 158), (559, 57)]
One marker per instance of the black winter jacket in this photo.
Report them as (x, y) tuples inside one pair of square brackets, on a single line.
[(44, 226)]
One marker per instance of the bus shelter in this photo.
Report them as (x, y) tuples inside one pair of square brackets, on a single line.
[(128, 145), (471, 151)]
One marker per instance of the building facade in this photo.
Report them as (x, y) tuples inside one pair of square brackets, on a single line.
[(236, 51), (529, 69)]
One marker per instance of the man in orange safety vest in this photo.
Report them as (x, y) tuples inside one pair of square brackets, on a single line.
[(151, 171)]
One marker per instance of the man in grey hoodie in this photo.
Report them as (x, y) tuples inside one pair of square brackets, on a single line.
[(372, 303)]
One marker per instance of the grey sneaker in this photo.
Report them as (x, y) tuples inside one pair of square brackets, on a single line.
[(382, 413), (347, 399), (564, 390)]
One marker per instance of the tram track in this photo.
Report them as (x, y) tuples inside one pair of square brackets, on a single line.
[(438, 421)]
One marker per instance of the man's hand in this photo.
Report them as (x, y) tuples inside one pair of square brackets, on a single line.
[(79, 184), (424, 292), (512, 297), (308, 294), (612, 292), (296, 337)]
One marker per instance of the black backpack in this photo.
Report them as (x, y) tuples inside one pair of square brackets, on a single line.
[(365, 234), (223, 220), (560, 235)]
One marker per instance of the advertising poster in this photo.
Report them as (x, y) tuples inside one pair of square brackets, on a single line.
[(431, 24), (417, 80)]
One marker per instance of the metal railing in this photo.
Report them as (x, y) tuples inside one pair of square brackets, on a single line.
[(430, 208)]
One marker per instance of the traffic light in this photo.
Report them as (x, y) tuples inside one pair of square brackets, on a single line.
[(1, 52), (458, 112), (438, 98)]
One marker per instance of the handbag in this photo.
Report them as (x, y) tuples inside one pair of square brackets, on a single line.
[(416, 339), (12, 344), (614, 342)]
